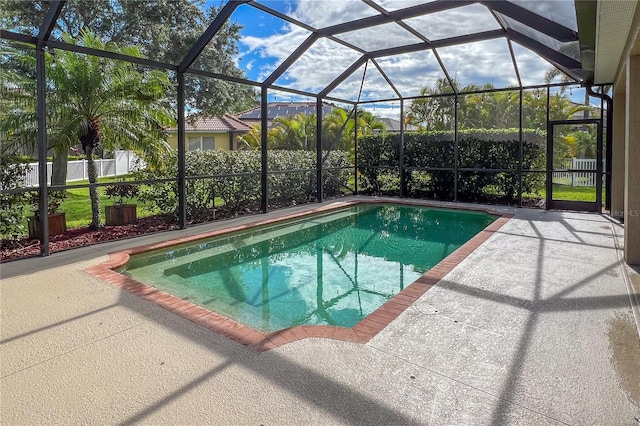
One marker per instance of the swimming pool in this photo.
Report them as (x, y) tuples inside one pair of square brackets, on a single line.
[(333, 268)]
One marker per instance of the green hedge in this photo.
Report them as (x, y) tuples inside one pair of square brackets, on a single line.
[(378, 163), (241, 193)]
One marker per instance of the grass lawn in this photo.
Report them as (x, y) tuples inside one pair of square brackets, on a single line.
[(569, 193), (77, 206), (574, 193)]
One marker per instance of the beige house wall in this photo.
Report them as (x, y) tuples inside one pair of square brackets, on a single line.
[(632, 158), (618, 153), (627, 126), (221, 139)]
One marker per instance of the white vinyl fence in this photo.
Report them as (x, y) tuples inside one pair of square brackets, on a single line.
[(123, 163), (576, 178)]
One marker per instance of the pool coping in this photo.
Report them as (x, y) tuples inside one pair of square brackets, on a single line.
[(259, 341)]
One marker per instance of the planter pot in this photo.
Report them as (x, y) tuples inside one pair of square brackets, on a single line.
[(120, 214), (57, 225)]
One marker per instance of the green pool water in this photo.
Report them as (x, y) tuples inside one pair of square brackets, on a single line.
[(333, 268)]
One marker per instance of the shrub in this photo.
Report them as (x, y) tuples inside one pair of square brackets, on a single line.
[(238, 180), (12, 175), (486, 149), (54, 201), (121, 191)]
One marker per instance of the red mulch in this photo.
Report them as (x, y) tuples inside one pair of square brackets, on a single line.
[(81, 237)]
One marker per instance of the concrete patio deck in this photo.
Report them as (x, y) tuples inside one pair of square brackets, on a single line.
[(539, 325)]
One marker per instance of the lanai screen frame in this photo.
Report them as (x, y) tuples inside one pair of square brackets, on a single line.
[(569, 66)]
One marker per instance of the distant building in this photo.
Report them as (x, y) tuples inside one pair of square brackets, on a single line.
[(205, 133), (282, 109), (393, 125)]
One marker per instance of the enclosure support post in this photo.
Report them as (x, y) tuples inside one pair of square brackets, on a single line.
[(549, 162), (520, 149), (599, 168), (355, 149), (263, 144), (319, 196), (182, 153), (617, 170), (41, 113), (608, 153), (401, 160), (455, 148)]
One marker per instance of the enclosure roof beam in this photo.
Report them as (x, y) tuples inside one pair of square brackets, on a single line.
[(111, 55), (468, 92), (50, 20), (531, 19), (346, 73), (309, 94), (300, 24), (394, 16), (209, 74), (445, 42), (515, 63), (486, 35), (282, 16), (546, 52), (220, 19), (576, 75), (385, 12), (445, 71), (23, 38), (282, 68), (386, 77)]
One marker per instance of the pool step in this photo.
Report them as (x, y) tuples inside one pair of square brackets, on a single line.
[(248, 246)]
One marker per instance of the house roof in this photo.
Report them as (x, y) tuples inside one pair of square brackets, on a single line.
[(393, 125), (226, 123), (284, 109)]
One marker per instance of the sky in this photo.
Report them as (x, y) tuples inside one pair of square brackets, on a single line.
[(266, 41)]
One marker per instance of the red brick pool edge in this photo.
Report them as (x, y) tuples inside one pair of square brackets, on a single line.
[(362, 332)]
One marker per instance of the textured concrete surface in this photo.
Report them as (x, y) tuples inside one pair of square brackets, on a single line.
[(535, 327)]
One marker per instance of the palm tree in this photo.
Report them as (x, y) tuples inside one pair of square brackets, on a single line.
[(97, 102), (338, 129), (252, 139), (293, 132), (433, 113), (299, 131)]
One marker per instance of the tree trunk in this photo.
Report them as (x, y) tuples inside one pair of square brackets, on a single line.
[(59, 170), (586, 103), (94, 194)]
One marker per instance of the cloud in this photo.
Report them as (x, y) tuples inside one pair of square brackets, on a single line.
[(479, 62), (369, 38), (320, 14), (561, 11)]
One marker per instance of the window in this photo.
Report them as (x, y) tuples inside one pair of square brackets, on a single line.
[(201, 143)]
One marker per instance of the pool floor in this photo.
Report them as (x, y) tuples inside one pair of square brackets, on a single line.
[(362, 332)]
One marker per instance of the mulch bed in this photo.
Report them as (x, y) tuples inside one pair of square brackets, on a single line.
[(81, 237)]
